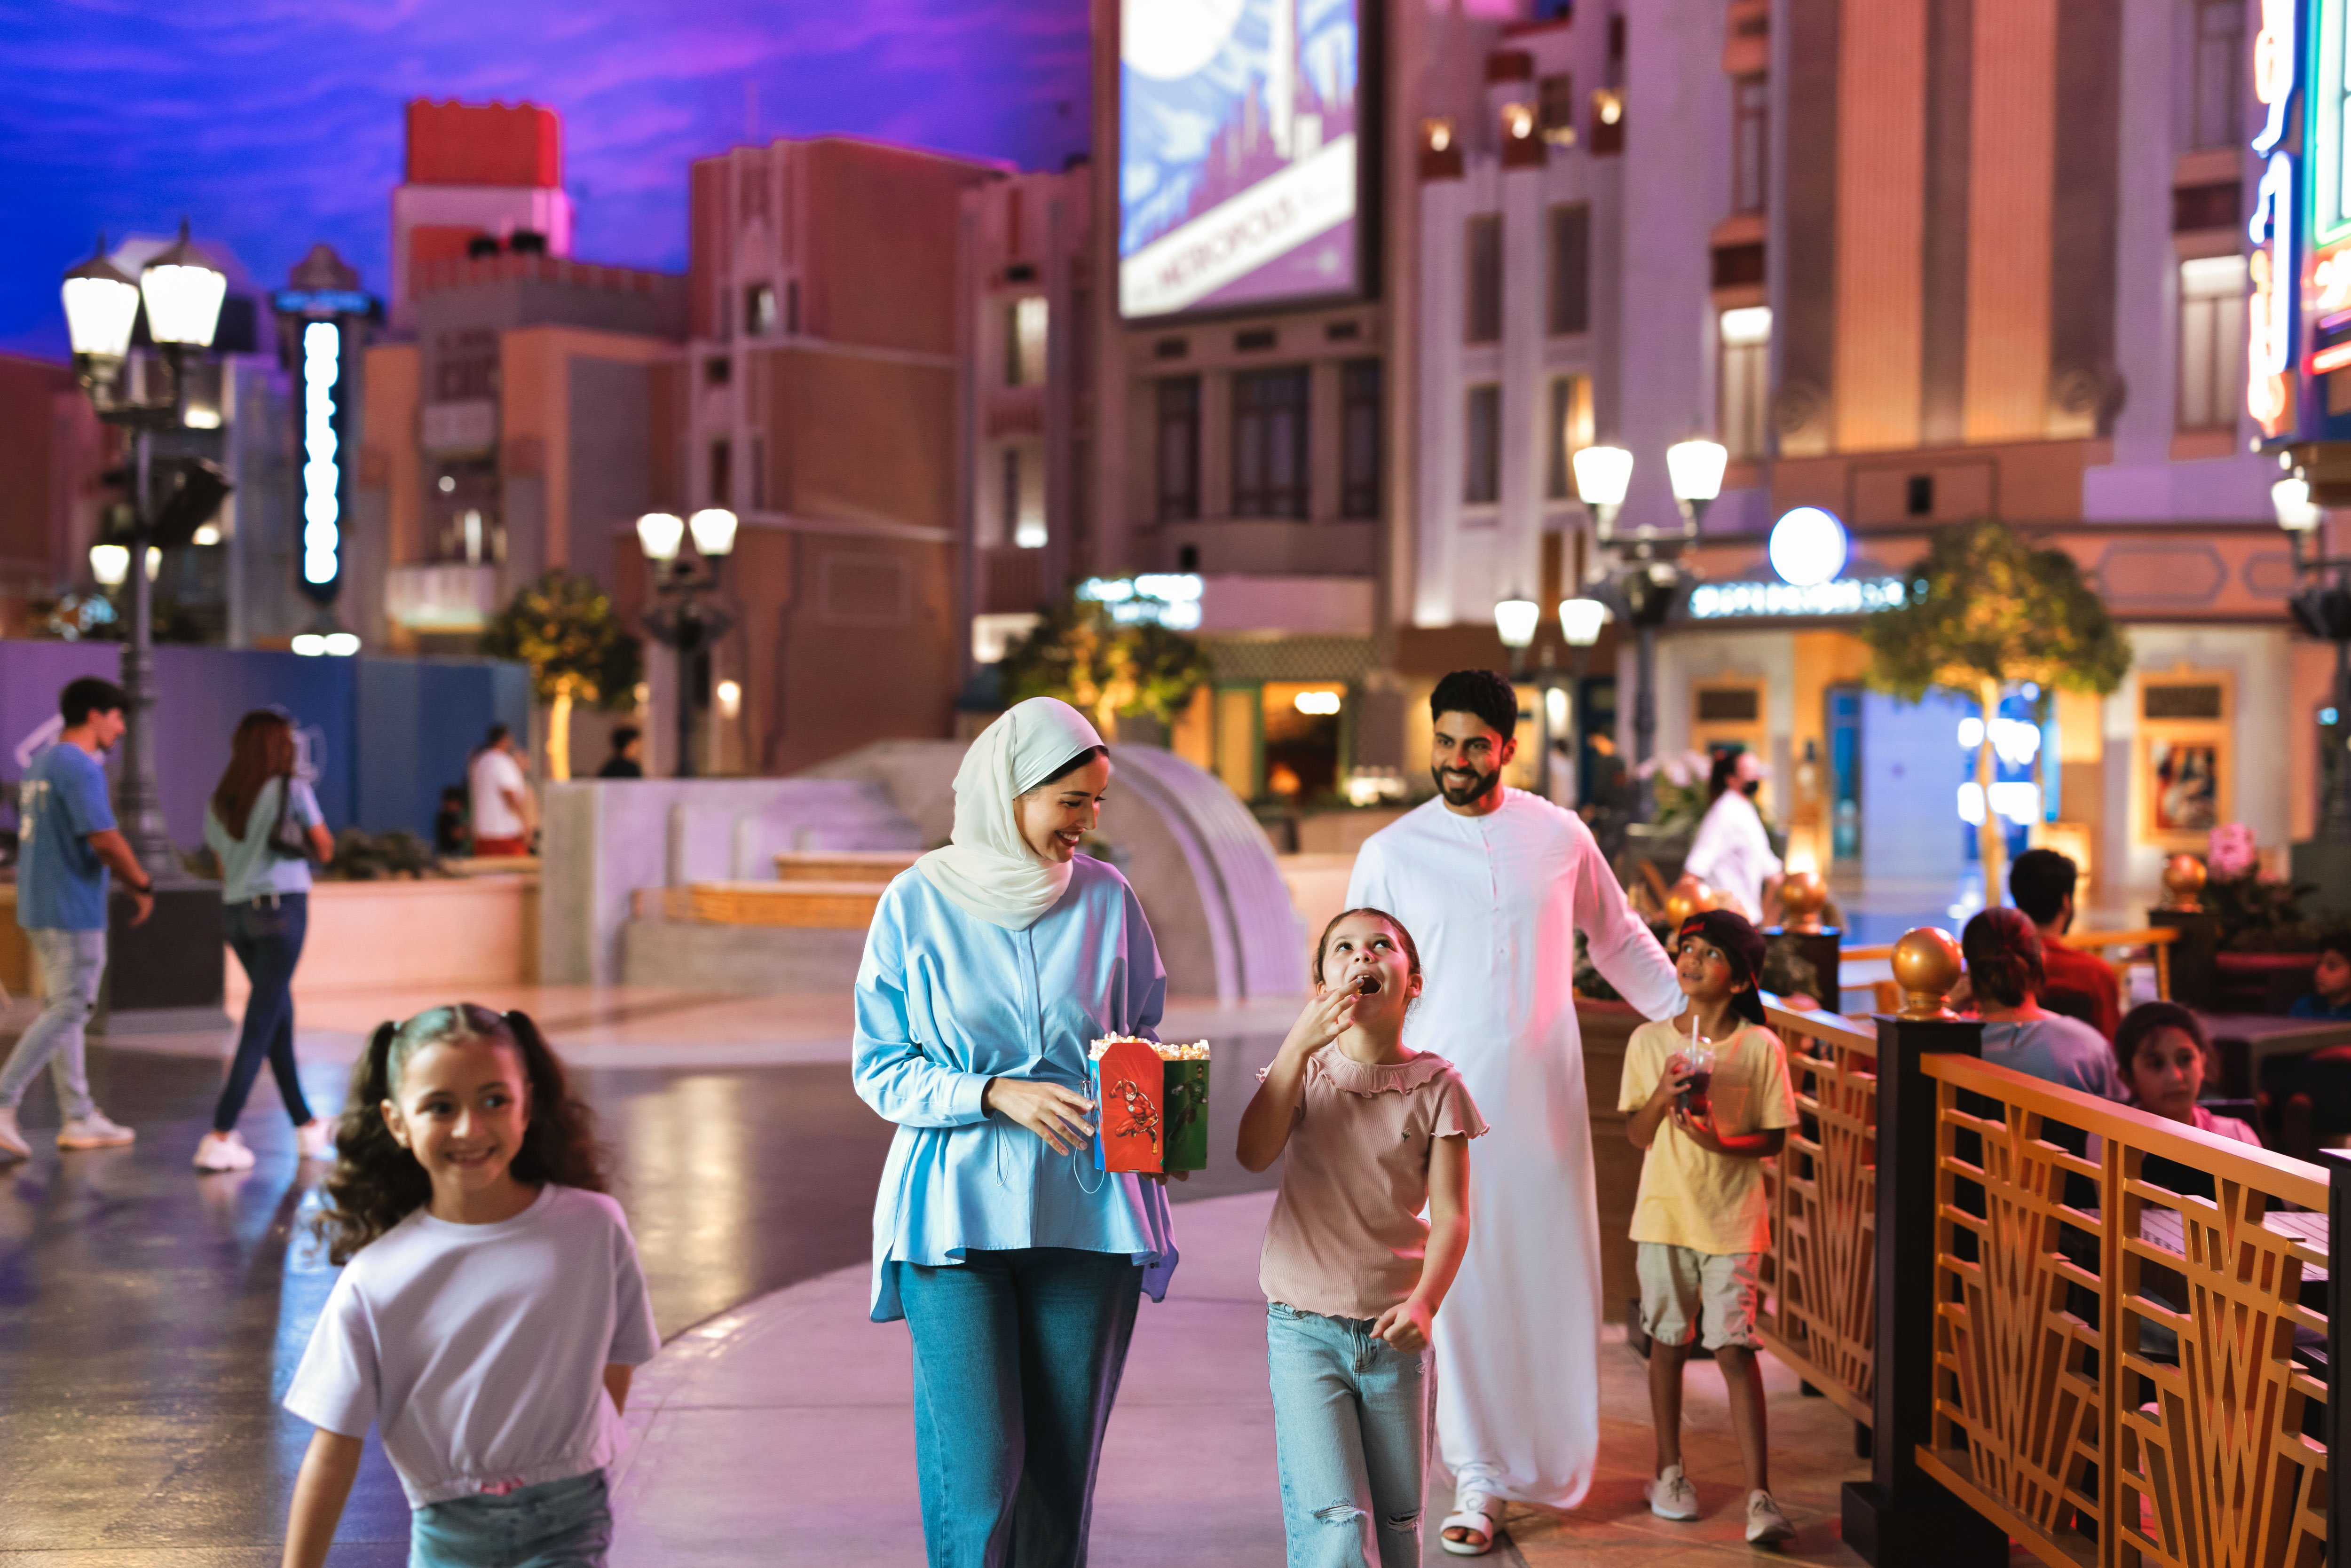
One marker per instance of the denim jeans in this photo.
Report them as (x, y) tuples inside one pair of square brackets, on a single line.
[(1351, 1416), (1016, 1360), (267, 940), (555, 1524), (72, 963)]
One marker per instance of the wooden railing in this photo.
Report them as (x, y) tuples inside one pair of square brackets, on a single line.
[(2116, 1374), (1820, 1276)]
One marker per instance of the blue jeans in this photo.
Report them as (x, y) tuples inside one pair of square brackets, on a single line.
[(555, 1524), (1351, 1418), (269, 942), (1016, 1360), (72, 963)]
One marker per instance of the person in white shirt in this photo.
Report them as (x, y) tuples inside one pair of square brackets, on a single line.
[(1497, 884), (501, 796), (1731, 852), (493, 1308)]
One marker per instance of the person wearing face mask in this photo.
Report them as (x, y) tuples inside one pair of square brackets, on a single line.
[(990, 968), (1731, 851), (1497, 884)]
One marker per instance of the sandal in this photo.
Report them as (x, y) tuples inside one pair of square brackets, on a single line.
[(1473, 1512)]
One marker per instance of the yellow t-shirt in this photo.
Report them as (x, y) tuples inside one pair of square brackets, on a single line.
[(1691, 1196)]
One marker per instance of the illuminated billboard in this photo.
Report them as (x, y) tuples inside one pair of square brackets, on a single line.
[(1238, 153)]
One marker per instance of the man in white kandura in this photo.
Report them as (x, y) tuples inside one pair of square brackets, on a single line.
[(1495, 883)]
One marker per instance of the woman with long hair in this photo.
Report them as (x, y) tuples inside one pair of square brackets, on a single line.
[(990, 968), (265, 825), (2002, 948)]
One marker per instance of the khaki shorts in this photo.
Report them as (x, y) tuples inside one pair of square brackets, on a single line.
[(1678, 1285)]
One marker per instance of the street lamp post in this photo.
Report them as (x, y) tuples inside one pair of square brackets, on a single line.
[(181, 290), (1649, 579), (688, 618)]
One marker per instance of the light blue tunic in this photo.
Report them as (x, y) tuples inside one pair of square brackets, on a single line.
[(946, 1001)]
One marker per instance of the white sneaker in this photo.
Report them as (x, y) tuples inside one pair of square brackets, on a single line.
[(224, 1152), (13, 1145), (315, 1139), (93, 1132), (1671, 1496), (1766, 1525)]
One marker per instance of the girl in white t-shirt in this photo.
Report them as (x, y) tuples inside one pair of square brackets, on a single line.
[(493, 1308)]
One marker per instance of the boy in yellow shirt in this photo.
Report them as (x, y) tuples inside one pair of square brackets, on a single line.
[(1700, 1220)]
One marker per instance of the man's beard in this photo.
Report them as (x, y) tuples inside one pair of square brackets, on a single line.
[(1466, 795)]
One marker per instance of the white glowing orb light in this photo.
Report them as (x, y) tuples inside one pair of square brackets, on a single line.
[(1316, 705), (1695, 469), (1516, 619), (1580, 621), (714, 532), (1970, 733), (309, 645), (659, 535), (110, 564), (323, 479), (1555, 713), (1808, 547), (730, 698), (340, 644)]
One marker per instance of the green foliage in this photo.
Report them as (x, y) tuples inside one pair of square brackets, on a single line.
[(379, 857), (2260, 915), (565, 628), (1104, 668), (1994, 609)]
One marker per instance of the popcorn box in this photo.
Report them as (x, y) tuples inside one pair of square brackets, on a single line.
[(1152, 1104)]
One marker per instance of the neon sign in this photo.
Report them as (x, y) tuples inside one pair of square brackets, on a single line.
[(2269, 354), (322, 477)]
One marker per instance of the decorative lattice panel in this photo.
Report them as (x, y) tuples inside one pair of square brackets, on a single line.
[(1821, 1273)]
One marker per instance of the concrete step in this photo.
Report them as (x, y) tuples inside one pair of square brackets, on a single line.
[(876, 866)]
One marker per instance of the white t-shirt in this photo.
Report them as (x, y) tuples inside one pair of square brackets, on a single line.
[(479, 1350), (1733, 852), (495, 774)]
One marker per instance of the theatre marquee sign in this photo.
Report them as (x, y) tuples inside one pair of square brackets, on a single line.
[(2298, 313)]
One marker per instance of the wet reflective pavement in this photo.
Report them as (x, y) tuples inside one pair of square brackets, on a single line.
[(150, 1318)]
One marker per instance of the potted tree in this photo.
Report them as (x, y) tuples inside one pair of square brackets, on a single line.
[(1988, 610), (564, 628)]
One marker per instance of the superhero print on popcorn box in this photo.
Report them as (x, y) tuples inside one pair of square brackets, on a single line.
[(1152, 1102)]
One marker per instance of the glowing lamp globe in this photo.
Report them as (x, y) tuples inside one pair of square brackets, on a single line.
[(183, 291), (1601, 475), (713, 530), (1808, 547), (101, 306), (110, 564), (1695, 469), (1580, 621), (1516, 619), (659, 535)]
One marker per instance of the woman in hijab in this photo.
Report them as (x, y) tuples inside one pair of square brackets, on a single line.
[(989, 969)]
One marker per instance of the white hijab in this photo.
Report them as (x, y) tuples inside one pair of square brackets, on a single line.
[(988, 867)]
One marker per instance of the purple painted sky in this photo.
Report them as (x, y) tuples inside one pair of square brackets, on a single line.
[(273, 124)]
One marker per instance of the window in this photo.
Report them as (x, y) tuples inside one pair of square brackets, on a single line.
[(1555, 108), (1024, 341), (1359, 438), (1484, 256), (465, 367), (1481, 478), (1269, 444), (1744, 385), (1569, 433), (2221, 64), (1750, 142), (1571, 269), (1023, 519), (722, 472), (1179, 447), (760, 310), (2211, 341)]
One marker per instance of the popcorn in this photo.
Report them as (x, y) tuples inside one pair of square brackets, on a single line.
[(1165, 1050)]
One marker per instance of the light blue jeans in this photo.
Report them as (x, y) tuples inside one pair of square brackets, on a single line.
[(1351, 1416), (72, 963), (555, 1524), (1016, 1360)]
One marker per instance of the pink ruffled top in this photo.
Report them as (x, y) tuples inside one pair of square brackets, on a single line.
[(1346, 1235)]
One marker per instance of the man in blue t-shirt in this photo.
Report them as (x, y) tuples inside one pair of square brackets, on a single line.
[(67, 840)]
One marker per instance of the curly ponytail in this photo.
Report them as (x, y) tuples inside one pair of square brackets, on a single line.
[(376, 1183)]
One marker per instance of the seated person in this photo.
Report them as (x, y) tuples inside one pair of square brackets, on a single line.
[(2162, 1052), (627, 761), (2330, 994), (2042, 882), (2002, 949)]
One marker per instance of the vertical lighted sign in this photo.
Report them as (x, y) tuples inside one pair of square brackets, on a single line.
[(322, 474), (2269, 382)]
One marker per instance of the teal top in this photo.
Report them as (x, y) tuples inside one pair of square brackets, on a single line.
[(249, 867), (946, 1001)]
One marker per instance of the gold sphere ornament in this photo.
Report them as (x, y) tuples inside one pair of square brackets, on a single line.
[(1687, 897), (1927, 965), (1802, 897), (2183, 881)]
